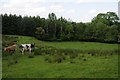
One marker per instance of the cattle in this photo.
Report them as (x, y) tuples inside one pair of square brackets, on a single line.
[(26, 47), (11, 48)]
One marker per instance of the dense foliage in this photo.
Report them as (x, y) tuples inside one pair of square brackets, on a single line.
[(102, 28)]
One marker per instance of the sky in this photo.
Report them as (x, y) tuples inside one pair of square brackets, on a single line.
[(75, 10)]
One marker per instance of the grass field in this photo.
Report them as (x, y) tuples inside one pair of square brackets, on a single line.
[(82, 66), (83, 45)]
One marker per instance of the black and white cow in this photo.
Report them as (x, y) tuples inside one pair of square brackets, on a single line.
[(26, 47)]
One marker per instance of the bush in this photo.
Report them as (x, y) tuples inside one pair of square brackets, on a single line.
[(46, 58), (59, 57), (12, 62), (37, 52), (45, 50), (73, 55), (31, 55), (101, 52), (49, 60), (84, 59), (71, 61), (58, 60)]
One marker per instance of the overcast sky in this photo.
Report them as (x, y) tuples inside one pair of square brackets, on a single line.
[(76, 10)]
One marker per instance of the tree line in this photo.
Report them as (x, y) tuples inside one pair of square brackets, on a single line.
[(102, 28)]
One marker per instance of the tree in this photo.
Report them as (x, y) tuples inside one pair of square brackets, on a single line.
[(112, 18), (109, 18), (28, 26), (52, 25), (100, 31), (103, 28), (40, 32), (79, 30), (52, 17), (62, 24), (101, 17), (111, 34)]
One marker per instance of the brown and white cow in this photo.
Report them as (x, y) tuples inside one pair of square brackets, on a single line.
[(11, 48)]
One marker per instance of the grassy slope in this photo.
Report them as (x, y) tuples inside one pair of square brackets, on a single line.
[(93, 67), (70, 45), (82, 45)]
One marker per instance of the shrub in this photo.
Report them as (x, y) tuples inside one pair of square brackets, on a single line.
[(37, 52), (66, 53), (49, 60), (84, 59), (31, 55), (73, 55), (59, 57), (92, 54), (12, 62), (58, 60), (71, 61), (45, 50), (46, 58), (16, 61), (82, 56)]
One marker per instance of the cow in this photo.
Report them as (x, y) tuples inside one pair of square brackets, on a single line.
[(11, 48), (26, 47)]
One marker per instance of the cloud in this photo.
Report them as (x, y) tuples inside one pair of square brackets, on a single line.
[(93, 1), (23, 7), (95, 12), (56, 8), (35, 11), (65, 8), (72, 11), (92, 11)]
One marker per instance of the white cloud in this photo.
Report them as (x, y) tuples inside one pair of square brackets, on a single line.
[(23, 7), (21, 3), (35, 11), (72, 11), (56, 8), (95, 12), (65, 8), (94, 1), (92, 11)]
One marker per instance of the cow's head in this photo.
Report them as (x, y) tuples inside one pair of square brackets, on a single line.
[(32, 45), (4, 49), (20, 46)]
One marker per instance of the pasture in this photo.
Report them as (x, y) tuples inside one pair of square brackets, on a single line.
[(61, 60)]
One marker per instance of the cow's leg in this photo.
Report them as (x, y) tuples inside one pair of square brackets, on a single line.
[(13, 52), (23, 51), (30, 50)]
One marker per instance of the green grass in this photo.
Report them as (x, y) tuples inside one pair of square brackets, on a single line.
[(105, 66), (69, 45), (93, 67), (82, 45)]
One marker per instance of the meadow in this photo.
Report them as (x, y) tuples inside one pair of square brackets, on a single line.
[(61, 60)]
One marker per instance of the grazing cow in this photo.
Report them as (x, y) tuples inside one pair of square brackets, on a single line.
[(26, 47), (11, 48)]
